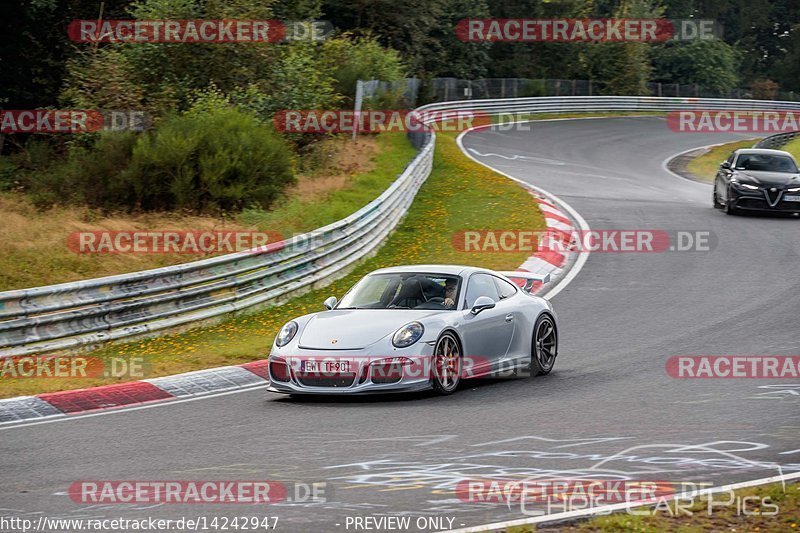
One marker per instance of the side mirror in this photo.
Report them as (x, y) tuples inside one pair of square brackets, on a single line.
[(725, 165), (481, 303), (330, 303)]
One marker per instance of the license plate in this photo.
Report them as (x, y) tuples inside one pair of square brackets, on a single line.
[(325, 366), (792, 198)]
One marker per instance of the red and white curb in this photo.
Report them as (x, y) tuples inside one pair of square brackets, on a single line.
[(191, 384), (551, 261), (562, 221)]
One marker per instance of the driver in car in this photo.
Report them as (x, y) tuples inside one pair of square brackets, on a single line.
[(449, 293)]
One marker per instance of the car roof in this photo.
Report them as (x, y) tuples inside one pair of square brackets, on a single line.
[(765, 151), (453, 270)]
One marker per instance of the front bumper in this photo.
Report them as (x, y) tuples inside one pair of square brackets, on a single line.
[(764, 201), (413, 377)]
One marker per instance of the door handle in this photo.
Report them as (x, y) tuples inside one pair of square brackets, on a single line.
[(509, 317)]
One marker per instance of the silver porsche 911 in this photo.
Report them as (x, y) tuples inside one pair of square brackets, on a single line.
[(417, 327)]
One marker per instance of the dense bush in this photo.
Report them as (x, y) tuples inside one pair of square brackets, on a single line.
[(209, 160), (89, 174), (212, 159)]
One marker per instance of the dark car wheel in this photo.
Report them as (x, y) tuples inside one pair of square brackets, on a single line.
[(447, 364), (545, 346)]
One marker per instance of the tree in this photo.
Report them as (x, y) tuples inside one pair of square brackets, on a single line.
[(453, 57), (348, 59), (36, 46), (712, 64), (404, 25), (623, 68)]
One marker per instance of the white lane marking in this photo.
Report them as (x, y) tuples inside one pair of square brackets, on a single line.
[(123, 409), (516, 157), (562, 283), (605, 509)]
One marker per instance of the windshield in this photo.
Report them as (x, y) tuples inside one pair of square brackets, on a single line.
[(406, 290), (766, 162)]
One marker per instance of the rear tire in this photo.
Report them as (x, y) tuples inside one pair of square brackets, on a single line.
[(544, 348), (447, 364)]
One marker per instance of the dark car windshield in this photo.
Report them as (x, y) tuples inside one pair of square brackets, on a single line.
[(766, 162), (406, 290)]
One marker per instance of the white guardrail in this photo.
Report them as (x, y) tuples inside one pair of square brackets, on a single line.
[(79, 314)]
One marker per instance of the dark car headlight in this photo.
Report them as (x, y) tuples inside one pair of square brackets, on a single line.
[(286, 334), (744, 186), (408, 335)]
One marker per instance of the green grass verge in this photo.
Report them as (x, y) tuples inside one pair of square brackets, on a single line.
[(705, 165), (793, 148), (722, 518), (298, 216), (459, 195)]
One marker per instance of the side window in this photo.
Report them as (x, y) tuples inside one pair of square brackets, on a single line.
[(481, 285), (731, 158), (505, 288)]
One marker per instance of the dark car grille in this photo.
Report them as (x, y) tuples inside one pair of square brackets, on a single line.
[(323, 380), (747, 202), (772, 197)]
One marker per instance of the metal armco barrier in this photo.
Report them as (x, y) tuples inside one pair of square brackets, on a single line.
[(84, 313), (777, 141)]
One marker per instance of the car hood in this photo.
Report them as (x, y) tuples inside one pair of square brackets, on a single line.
[(354, 329), (770, 179)]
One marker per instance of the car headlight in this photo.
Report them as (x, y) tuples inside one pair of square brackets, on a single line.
[(746, 186), (793, 189), (286, 334), (408, 334)]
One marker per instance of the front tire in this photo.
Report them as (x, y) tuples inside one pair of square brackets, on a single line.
[(728, 206), (717, 203), (447, 364), (545, 345)]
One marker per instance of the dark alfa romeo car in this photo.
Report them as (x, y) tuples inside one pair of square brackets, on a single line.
[(758, 180)]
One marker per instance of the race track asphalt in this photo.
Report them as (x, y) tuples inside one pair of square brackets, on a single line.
[(608, 409)]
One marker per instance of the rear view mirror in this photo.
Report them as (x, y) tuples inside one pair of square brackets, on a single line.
[(725, 165), (330, 303)]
